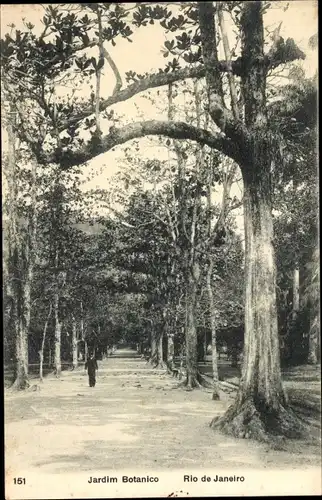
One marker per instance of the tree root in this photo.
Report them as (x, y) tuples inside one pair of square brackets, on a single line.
[(249, 421), (20, 385), (204, 381), (195, 382), (157, 364), (34, 387), (215, 395)]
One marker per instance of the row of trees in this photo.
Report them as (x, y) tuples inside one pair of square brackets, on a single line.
[(82, 284), (235, 127)]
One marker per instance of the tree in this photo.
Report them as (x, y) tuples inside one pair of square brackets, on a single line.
[(60, 251), (20, 229), (261, 405), (16, 276), (296, 216)]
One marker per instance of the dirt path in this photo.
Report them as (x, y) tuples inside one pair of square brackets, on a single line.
[(134, 417)]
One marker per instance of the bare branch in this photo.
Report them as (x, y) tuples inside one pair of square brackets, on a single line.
[(231, 80), (150, 82), (162, 78), (119, 83), (221, 116), (99, 72), (217, 108), (235, 205)]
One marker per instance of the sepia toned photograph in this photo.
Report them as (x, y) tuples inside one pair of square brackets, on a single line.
[(161, 262)]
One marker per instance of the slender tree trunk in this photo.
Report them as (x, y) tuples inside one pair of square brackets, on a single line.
[(57, 336), (296, 293), (215, 394), (160, 363), (261, 405), (170, 355), (205, 344), (85, 350), (31, 250), (82, 331), (313, 341), (182, 351), (41, 365), (26, 264), (41, 351), (191, 336), (15, 266), (291, 338), (314, 301), (153, 345), (74, 343)]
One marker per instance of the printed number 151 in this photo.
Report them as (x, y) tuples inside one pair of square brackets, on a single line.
[(19, 480)]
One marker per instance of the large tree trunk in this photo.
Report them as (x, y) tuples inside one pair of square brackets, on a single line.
[(261, 406), (57, 361), (215, 393), (19, 323)]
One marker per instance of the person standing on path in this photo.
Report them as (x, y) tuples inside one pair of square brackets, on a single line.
[(91, 366)]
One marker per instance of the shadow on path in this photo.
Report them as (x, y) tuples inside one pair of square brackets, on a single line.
[(134, 417)]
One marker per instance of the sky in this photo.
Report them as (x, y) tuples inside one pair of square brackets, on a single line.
[(299, 21)]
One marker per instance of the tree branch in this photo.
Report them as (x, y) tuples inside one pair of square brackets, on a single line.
[(221, 116), (231, 80), (99, 72), (119, 83), (208, 35), (174, 130), (253, 80), (162, 78), (226, 191), (150, 82), (283, 52)]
